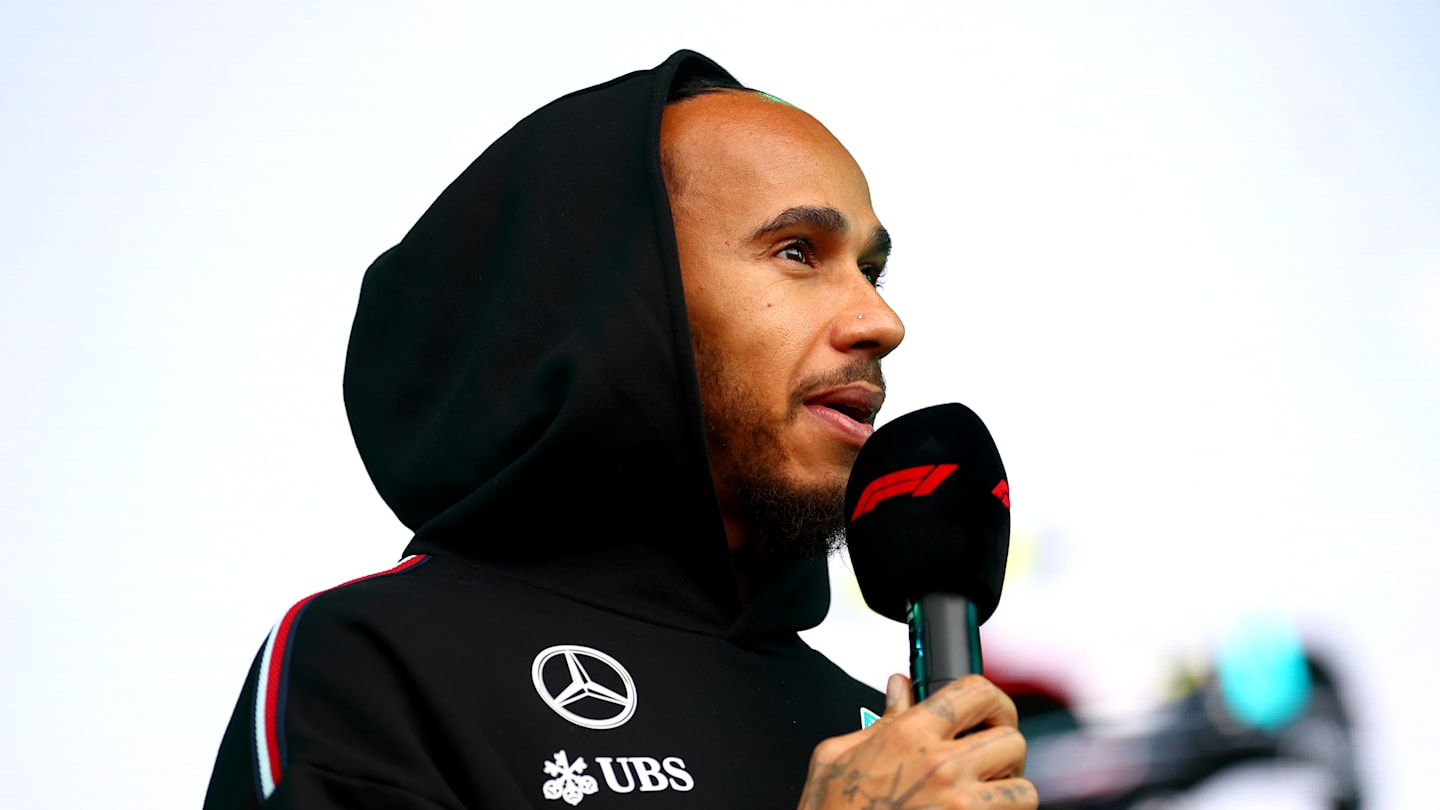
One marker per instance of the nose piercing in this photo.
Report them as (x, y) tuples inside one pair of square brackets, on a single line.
[(859, 317)]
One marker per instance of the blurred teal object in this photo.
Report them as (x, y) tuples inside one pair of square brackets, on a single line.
[(1262, 672)]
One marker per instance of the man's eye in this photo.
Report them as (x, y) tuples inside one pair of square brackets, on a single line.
[(874, 274), (798, 251)]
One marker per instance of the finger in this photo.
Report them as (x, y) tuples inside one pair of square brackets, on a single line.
[(1016, 794), (991, 754), (897, 700), (964, 704), (897, 695)]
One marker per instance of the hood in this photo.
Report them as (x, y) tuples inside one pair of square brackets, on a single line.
[(520, 381)]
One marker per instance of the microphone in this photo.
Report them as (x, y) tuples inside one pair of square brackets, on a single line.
[(928, 511)]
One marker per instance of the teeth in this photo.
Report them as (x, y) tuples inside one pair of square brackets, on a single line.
[(858, 414)]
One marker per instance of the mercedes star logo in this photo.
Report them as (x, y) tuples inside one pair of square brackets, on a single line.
[(589, 689)]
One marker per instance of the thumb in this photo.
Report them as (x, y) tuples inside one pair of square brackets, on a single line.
[(897, 695)]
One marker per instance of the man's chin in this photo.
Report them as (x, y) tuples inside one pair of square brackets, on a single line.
[(795, 520)]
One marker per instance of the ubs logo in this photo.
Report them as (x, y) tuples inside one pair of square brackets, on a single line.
[(569, 781), (583, 685)]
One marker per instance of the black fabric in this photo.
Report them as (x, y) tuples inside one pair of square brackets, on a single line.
[(521, 388)]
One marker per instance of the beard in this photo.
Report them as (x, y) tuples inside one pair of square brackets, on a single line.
[(794, 518)]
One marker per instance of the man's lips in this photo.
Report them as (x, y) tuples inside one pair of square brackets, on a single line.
[(850, 409)]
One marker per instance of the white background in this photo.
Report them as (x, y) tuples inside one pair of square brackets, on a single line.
[(1184, 258)]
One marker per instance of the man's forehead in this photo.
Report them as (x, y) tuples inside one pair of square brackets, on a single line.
[(739, 142)]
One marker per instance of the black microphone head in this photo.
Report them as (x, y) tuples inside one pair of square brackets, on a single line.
[(928, 510)]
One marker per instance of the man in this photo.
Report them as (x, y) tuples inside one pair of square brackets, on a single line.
[(614, 380)]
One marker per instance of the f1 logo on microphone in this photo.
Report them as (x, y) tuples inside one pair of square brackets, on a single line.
[(918, 481), (1002, 491)]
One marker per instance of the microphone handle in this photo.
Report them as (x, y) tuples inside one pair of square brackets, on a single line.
[(944, 642)]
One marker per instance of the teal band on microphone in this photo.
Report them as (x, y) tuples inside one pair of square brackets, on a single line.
[(944, 642)]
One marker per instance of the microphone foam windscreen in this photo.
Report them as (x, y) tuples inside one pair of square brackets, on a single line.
[(928, 510)]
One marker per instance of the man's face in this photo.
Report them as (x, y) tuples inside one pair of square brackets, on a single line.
[(779, 252)]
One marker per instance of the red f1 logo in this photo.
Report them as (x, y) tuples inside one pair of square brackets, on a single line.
[(1002, 491), (918, 481)]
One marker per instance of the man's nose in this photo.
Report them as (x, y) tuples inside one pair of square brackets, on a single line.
[(868, 325)]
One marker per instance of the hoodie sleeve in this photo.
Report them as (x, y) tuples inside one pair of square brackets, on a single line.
[(331, 715), (327, 725)]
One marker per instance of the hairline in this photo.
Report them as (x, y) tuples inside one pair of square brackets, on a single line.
[(668, 170)]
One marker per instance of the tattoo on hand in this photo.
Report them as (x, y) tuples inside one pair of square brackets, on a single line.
[(945, 708), (821, 776), (941, 709), (851, 782), (893, 798)]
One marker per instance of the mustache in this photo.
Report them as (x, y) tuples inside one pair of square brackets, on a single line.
[(860, 369)]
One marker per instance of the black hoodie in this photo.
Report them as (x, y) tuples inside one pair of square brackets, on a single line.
[(567, 627)]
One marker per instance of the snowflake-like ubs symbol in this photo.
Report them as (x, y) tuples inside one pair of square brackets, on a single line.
[(569, 783)]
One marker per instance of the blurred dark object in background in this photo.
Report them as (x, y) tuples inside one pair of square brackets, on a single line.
[(1287, 710)]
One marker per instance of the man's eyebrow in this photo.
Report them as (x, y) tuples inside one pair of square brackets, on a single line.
[(825, 218), (880, 241)]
